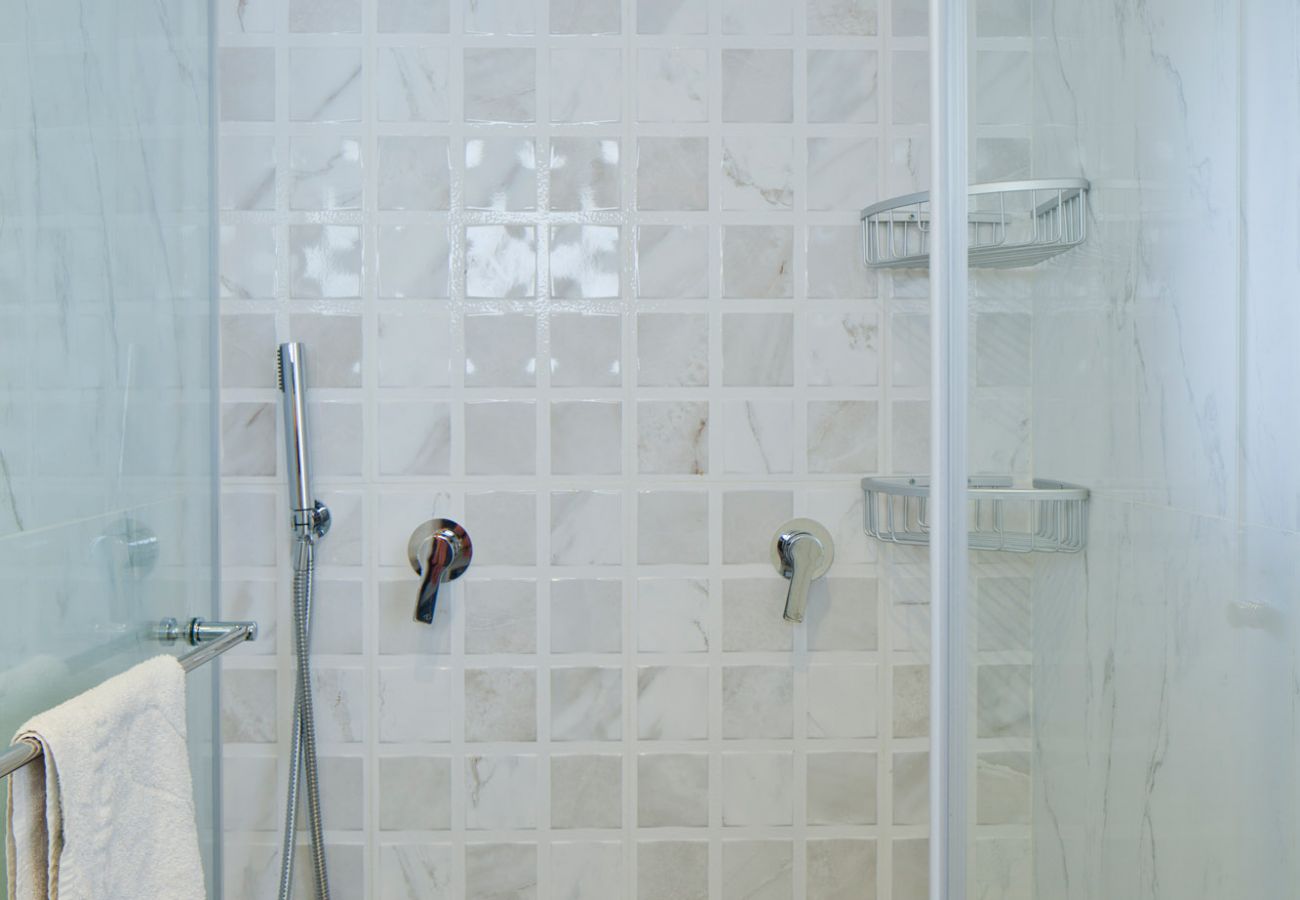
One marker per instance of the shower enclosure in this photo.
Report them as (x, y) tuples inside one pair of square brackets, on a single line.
[(1122, 723), (106, 397)]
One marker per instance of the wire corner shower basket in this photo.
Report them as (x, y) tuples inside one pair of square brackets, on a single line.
[(1038, 516), (1012, 224)]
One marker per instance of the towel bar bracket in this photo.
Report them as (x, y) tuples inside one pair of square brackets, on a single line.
[(199, 631)]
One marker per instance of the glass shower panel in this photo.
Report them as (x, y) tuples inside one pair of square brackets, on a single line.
[(1132, 732), (106, 505)]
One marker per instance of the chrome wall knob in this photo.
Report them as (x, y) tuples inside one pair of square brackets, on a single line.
[(802, 551), (439, 550)]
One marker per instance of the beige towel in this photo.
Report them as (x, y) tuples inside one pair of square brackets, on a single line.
[(108, 812)]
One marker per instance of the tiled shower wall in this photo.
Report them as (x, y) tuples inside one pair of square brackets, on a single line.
[(583, 276)]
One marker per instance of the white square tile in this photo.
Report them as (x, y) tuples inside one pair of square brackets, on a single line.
[(842, 86), (414, 793), (586, 437), (586, 791), (672, 870), (501, 437), (841, 788), (758, 702), (501, 705), (586, 528), (672, 16), (500, 261), (672, 703), (341, 703), (672, 261), (496, 871), (757, 16), (414, 438), (413, 173), (757, 173), (499, 17), (757, 870), (911, 788), (911, 701), (399, 634), (1002, 789), (672, 437), (325, 84), (586, 350), (325, 261), (500, 84), (412, 260), (324, 16), (247, 264), (843, 349), (757, 349), (500, 616), (586, 615), (415, 870), (757, 261), (500, 350), (757, 86), (586, 85), (587, 870), (247, 86), (501, 173), (672, 84), (910, 71), (501, 792), (842, 17), (586, 704), (842, 173), (672, 528), (672, 615), (842, 701), (413, 16), (415, 703), (505, 527), (333, 348), (672, 789), (585, 173), (586, 16), (749, 519), (246, 178), (757, 438), (414, 350), (757, 789), (673, 349), (585, 261), (845, 618), (843, 436), (411, 84), (324, 172), (835, 864), (836, 269), (672, 173), (753, 615)]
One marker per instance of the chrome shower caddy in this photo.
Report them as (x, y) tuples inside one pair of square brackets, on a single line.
[(1012, 224), (1044, 517)]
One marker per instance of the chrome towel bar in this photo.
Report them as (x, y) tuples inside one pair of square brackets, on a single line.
[(211, 639)]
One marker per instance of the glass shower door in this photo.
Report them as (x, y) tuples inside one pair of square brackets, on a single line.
[(106, 491), (1123, 711)]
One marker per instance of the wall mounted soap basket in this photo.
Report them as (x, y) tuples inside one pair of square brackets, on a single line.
[(1012, 224), (1041, 516)]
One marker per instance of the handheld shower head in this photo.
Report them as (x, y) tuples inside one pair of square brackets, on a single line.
[(310, 518)]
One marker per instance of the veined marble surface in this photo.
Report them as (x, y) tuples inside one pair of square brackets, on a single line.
[(1164, 378)]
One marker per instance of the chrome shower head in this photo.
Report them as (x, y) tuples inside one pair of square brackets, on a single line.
[(310, 518)]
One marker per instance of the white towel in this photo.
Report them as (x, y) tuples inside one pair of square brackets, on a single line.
[(108, 812)]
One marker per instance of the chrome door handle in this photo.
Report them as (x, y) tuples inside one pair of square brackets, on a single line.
[(440, 550), (802, 551)]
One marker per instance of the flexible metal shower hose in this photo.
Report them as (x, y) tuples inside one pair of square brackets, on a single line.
[(302, 754)]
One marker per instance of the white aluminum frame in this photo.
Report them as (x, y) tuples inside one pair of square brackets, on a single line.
[(949, 653)]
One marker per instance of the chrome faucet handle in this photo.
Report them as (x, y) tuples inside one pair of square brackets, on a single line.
[(440, 550), (802, 551)]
